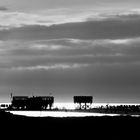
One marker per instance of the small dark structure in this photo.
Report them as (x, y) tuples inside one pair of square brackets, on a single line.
[(86, 100), (32, 103), (4, 106)]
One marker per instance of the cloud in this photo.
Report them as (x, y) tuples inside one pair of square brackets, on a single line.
[(3, 8), (66, 53), (47, 18), (121, 41), (89, 53), (27, 27), (11, 19), (51, 67), (47, 47)]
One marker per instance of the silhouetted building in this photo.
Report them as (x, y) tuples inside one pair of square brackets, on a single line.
[(83, 100), (40, 102), (32, 103), (19, 102)]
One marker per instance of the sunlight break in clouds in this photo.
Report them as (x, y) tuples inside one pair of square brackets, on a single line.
[(52, 67), (125, 41), (47, 47), (64, 43)]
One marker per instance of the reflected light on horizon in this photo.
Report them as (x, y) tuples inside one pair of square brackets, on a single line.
[(58, 114), (73, 106), (67, 110)]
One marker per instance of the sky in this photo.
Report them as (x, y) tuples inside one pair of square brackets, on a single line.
[(70, 47)]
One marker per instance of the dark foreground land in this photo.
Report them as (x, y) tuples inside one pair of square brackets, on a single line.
[(51, 126)]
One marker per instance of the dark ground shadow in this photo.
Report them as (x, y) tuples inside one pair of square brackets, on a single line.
[(101, 127)]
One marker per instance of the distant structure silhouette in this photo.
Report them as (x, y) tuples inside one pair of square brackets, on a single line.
[(32, 103), (86, 100), (83, 103)]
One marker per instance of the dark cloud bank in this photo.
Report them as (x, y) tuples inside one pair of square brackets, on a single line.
[(111, 28), (2, 8)]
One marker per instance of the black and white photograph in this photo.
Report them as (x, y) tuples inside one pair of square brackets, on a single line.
[(70, 65)]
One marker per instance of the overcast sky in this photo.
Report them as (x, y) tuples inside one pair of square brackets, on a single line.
[(70, 47)]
